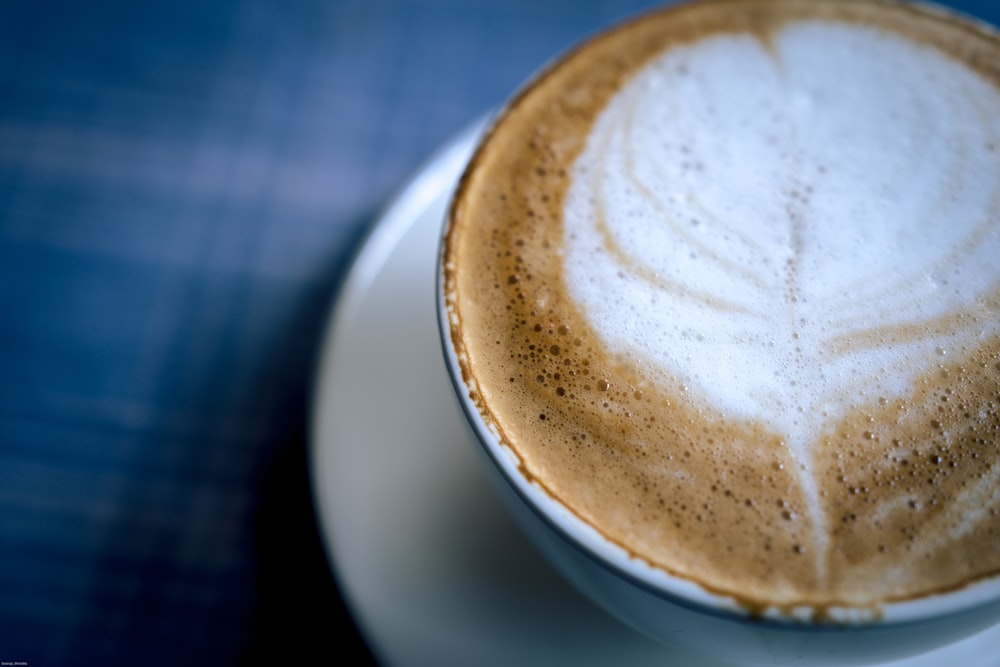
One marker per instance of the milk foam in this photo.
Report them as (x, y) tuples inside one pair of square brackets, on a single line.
[(783, 264)]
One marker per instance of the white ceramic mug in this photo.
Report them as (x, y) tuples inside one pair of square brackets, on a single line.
[(681, 612)]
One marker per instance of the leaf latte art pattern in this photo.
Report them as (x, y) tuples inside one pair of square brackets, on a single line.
[(787, 234)]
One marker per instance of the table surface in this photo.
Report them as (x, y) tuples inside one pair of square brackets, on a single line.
[(182, 185)]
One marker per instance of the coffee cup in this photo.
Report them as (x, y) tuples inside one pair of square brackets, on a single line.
[(719, 297)]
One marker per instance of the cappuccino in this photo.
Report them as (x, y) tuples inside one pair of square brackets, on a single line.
[(726, 281)]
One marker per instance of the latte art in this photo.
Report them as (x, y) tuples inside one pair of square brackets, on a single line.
[(791, 228), (725, 281)]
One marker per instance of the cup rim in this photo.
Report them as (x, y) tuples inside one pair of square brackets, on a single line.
[(587, 540)]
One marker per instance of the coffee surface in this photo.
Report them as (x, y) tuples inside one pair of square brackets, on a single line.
[(725, 279)]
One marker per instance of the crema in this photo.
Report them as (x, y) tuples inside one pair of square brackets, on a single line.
[(727, 283)]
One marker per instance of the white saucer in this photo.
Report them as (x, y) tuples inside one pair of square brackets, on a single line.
[(432, 569)]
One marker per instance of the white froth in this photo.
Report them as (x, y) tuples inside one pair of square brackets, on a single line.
[(764, 202)]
